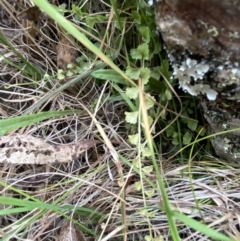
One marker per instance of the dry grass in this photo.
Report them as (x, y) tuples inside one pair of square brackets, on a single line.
[(212, 196), (206, 190)]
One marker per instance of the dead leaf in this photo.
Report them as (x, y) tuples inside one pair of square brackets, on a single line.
[(33, 14), (66, 52), (70, 233), (26, 149)]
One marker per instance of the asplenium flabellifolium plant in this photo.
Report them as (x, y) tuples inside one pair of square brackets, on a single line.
[(187, 127)]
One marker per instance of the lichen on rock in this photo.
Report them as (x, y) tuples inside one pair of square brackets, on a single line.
[(189, 70), (203, 43)]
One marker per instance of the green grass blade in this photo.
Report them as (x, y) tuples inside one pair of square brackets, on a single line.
[(114, 5), (201, 227), (31, 205), (111, 75), (14, 123), (14, 210), (166, 203), (31, 67)]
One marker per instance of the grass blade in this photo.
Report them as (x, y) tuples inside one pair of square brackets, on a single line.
[(14, 123)]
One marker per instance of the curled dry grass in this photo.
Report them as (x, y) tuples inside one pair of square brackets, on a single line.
[(209, 193)]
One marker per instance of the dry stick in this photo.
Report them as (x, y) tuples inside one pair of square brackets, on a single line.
[(25, 149)]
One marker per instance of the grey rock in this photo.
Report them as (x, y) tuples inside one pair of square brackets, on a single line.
[(203, 42)]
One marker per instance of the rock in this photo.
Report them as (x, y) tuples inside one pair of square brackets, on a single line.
[(203, 42)]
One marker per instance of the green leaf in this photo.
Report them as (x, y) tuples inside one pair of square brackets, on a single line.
[(187, 138), (135, 53), (62, 8), (157, 86), (69, 66), (136, 162), (145, 74), (136, 16), (138, 186), (149, 101), (144, 31), (69, 73), (131, 117), (132, 92), (201, 130), (148, 238), (150, 121), (146, 152), (192, 124), (60, 74), (133, 73), (155, 73), (185, 117), (168, 94), (109, 74), (144, 51), (91, 21), (175, 140), (14, 123), (170, 131), (190, 112), (157, 48), (148, 169), (165, 70), (151, 215), (149, 192), (77, 10), (134, 139), (163, 114), (143, 212)]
